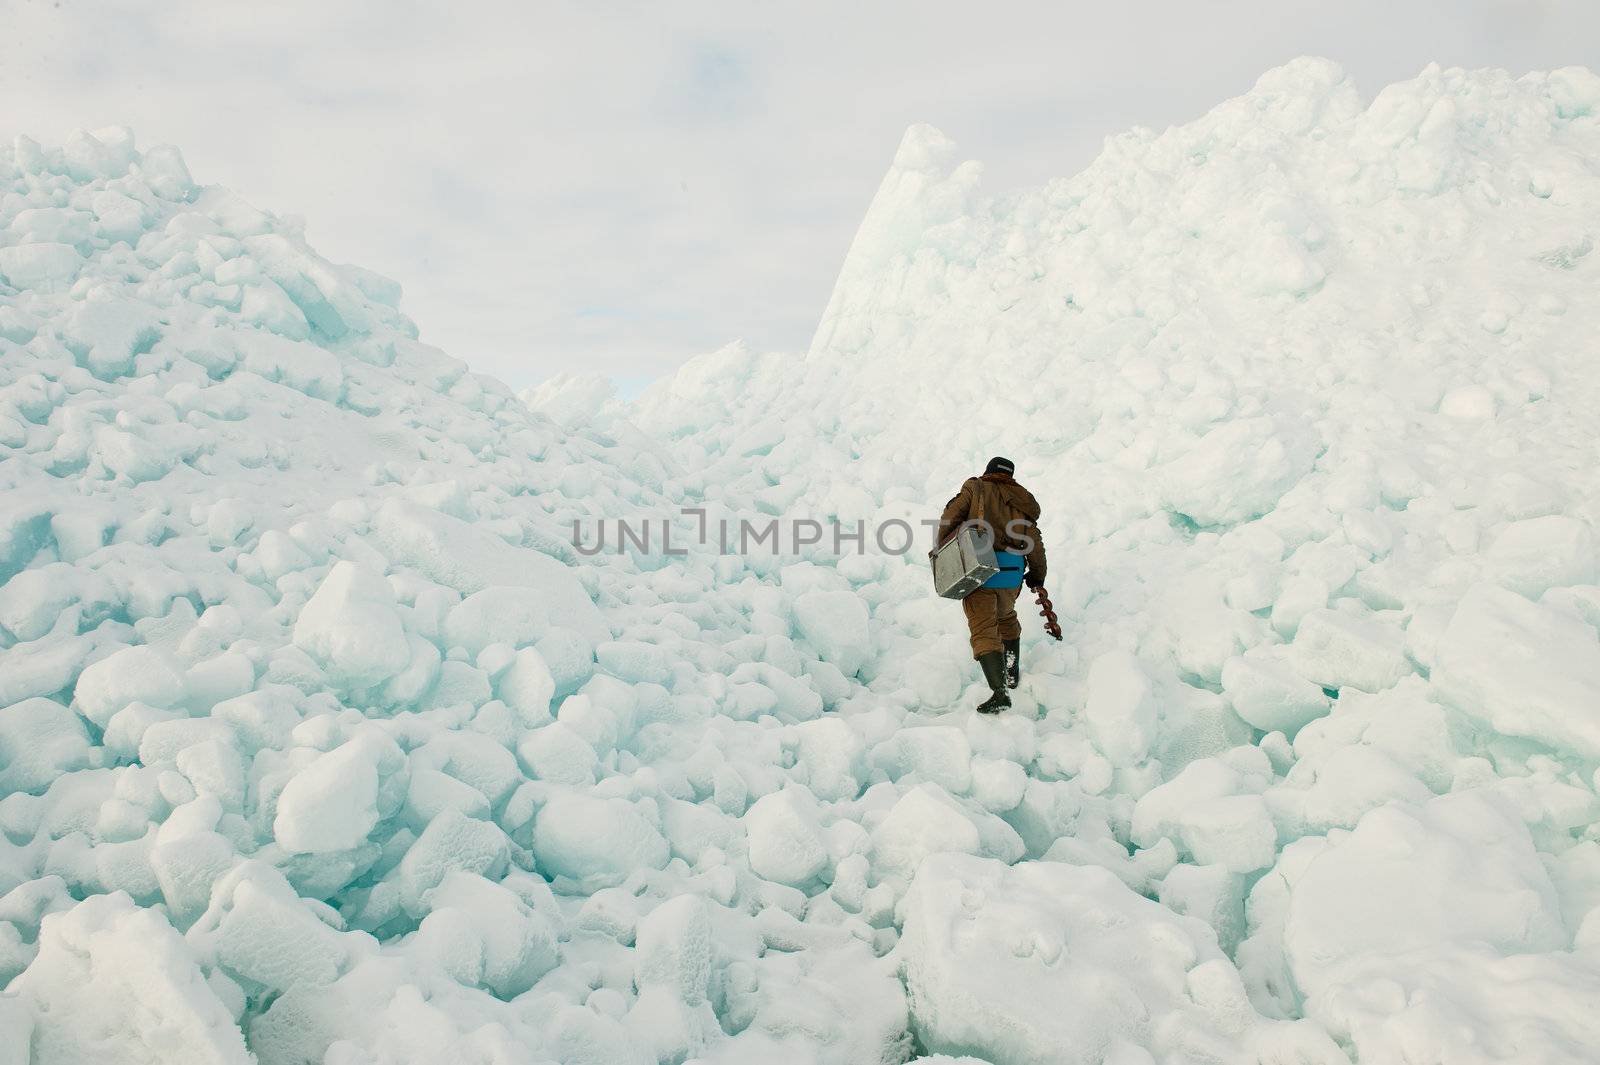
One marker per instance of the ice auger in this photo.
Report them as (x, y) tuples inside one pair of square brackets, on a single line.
[(1048, 612)]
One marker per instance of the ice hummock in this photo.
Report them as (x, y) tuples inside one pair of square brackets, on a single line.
[(320, 742)]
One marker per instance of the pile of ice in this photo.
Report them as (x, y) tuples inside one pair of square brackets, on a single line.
[(1308, 388), (321, 743)]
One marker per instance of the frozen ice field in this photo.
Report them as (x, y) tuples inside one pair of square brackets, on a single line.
[(321, 743)]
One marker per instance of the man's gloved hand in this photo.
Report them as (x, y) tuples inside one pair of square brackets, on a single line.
[(1033, 582)]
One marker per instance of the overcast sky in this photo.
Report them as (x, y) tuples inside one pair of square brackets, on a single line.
[(616, 186)]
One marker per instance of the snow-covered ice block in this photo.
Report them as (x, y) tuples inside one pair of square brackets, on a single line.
[(31, 603), (635, 661), (1214, 813), (570, 399), (431, 792), (258, 929), (1457, 869), (1235, 472), (299, 365), (923, 822), (829, 752), (517, 945), (559, 754), (60, 225), (40, 740), (518, 615), (998, 784), (1210, 893), (217, 680), (595, 841), (186, 867), (835, 623), (1580, 601), (134, 674), (1299, 596), (1537, 554), (785, 838), (43, 267), (527, 687), (102, 153), (459, 686), (570, 658), (470, 559), (1045, 963), (452, 841), (107, 334), (673, 948), (165, 172), (1266, 691), (673, 953), (936, 676), (1522, 669), (1403, 723), (1336, 787), (1120, 708), (113, 982), (474, 759), (1466, 1002), (332, 804), (937, 753), (1337, 650), (216, 768), (605, 712), (352, 627), (265, 717)]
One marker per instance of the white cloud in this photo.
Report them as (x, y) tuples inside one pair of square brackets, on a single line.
[(618, 185)]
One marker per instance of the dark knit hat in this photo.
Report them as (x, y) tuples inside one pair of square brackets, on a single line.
[(1000, 465)]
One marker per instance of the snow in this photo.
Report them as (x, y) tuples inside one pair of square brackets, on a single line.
[(1213, 812), (1532, 556), (46, 266), (352, 628), (595, 840), (139, 674), (331, 804), (1337, 651), (452, 842), (991, 954), (835, 623), (1409, 878), (1119, 707), (1268, 693), (131, 989), (1522, 670), (39, 741), (321, 741), (785, 839)]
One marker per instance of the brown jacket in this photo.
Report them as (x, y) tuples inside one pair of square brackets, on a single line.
[(1010, 510)]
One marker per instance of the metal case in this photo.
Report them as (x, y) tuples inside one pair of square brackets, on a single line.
[(963, 563)]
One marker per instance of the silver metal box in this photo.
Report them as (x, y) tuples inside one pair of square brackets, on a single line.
[(963, 564)]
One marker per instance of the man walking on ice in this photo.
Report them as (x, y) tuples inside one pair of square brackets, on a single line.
[(1011, 515)]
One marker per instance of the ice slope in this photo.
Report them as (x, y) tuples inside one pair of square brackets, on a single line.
[(1309, 389), (319, 742)]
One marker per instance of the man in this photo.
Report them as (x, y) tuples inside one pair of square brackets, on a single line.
[(1012, 515)]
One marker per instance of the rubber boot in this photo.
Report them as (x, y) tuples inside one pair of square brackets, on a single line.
[(1013, 663), (994, 671)]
